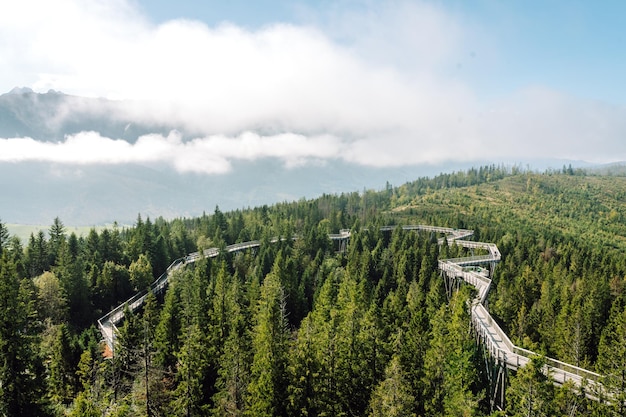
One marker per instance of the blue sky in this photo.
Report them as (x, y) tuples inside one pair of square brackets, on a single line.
[(574, 46), (252, 14), (376, 83)]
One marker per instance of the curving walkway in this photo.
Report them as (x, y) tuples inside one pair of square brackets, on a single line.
[(493, 339), (108, 323), (469, 269)]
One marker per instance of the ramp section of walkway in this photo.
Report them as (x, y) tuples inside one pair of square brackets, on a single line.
[(469, 269), (108, 323), (493, 338)]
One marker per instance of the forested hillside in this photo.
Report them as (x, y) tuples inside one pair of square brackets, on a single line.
[(298, 327)]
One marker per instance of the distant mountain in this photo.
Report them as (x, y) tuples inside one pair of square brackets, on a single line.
[(615, 168), (37, 192), (53, 115), (93, 195)]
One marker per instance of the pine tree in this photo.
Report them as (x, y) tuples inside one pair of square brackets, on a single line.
[(194, 361), (222, 305), (126, 360), (449, 374), (188, 398), (85, 406), (140, 272), (85, 370), (151, 375), (305, 372), (16, 256), (392, 397), (74, 285), (56, 235), (612, 358), (234, 363), (4, 237), (37, 254), (572, 332), (530, 393), (20, 371), (268, 385), (315, 386), (167, 342), (413, 343), (372, 355), (60, 379)]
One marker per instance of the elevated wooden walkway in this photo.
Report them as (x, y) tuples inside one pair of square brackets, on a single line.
[(504, 354)]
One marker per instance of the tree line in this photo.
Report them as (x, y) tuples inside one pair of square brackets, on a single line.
[(298, 328)]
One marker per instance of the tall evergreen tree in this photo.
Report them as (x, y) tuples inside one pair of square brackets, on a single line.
[(16, 256), (392, 397), (315, 386), (152, 375), (612, 358), (188, 398), (267, 391), (71, 277), (140, 272), (234, 363), (4, 237), (61, 375), (56, 235), (195, 359), (126, 359), (530, 393), (305, 372), (167, 339), (449, 374), (37, 254), (413, 343), (20, 370)]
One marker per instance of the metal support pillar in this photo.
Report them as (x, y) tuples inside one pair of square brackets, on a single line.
[(343, 245), (495, 370), (498, 388), (449, 283)]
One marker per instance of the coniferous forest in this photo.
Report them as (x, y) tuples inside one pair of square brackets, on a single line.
[(298, 327)]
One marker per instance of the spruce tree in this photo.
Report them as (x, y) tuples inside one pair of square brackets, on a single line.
[(20, 369), (61, 376), (392, 397), (449, 372), (56, 235), (4, 237), (74, 285), (530, 393), (188, 398), (195, 359), (267, 391), (140, 272), (37, 254), (612, 358), (151, 375), (234, 362), (167, 341)]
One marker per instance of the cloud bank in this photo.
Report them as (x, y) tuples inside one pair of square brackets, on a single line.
[(209, 155), (379, 87)]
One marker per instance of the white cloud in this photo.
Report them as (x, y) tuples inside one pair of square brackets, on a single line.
[(209, 155), (373, 87)]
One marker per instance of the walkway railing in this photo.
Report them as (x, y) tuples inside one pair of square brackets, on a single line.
[(495, 340)]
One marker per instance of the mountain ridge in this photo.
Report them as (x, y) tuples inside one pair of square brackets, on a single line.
[(94, 194)]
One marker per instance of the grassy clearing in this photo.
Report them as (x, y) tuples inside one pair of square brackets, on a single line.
[(23, 231)]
